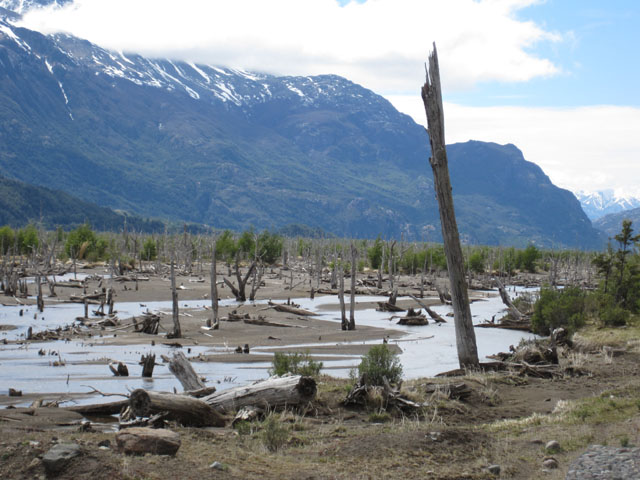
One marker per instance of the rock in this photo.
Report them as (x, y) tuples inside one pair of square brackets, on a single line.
[(217, 466), (550, 463), (552, 446), (141, 440), (35, 463), (104, 443), (57, 458), (15, 393), (494, 469)]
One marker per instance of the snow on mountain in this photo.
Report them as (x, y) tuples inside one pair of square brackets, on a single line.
[(599, 204)]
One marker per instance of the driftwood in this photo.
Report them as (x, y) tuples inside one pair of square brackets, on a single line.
[(278, 307), (186, 410), (150, 324), (184, 372), (273, 393), (148, 362), (98, 409), (506, 324), (413, 318), (456, 391), (434, 316), (515, 313), (119, 369), (388, 307), (362, 394), (260, 321)]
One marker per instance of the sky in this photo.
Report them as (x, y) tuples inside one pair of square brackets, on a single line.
[(557, 78)]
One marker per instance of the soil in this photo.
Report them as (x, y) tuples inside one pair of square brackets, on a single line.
[(506, 421)]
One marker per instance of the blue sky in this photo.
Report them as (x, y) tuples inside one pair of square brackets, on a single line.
[(557, 78), (598, 58)]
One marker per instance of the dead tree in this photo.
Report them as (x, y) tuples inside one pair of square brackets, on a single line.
[(432, 99), (214, 290), (239, 292), (343, 314), (352, 299), (177, 333)]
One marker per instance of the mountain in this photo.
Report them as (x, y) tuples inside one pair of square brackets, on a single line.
[(21, 204), (599, 204), (232, 149), (611, 224)]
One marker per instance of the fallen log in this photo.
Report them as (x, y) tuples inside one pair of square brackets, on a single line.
[(279, 307), (456, 391), (184, 372), (186, 410), (388, 307), (507, 325), (264, 323), (434, 316), (98, 409), (504, 296), (274, 393)]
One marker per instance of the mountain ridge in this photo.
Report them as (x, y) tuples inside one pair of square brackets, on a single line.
[(232, 149)]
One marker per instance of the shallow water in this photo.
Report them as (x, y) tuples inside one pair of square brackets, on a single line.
[(426, 350)]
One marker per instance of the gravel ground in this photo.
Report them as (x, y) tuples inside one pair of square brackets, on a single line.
[(601, 462)]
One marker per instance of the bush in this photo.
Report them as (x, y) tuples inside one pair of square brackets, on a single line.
[(149, 250), (28, 239), (295, 363), (380, 362), (614, 316), (274, 434), (558, 308), (374, 254), (476, 261), (7, 237)]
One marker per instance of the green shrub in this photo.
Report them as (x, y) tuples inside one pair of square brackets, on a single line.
[(558, 308), (295, 363), (274, 435), (380, 362), (7, 237), (614, 316), (374, 254), (149, 250), (28, 239)]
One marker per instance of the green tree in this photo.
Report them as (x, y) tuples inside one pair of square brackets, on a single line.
[(7, 238), (558, 308), (269, 247), (477, 260), (226, 247), (80, 242), (604, 264), (374, 253), (527, 258), (627, 272), (149, 249), (28, 239)]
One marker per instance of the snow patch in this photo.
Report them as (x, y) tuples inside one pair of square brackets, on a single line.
[(295, 90), (9, 33), (125, 58), (192, 93), (49, 67), (202, 74)]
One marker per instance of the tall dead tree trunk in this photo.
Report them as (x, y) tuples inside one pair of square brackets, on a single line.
[(213, 322), (343, 314), (177, 333), (432, 98), (352, 299)]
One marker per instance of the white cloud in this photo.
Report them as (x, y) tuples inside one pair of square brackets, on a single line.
[(381, 44), (584, 148)]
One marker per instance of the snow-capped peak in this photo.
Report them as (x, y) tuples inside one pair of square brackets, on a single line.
[(601, 203)]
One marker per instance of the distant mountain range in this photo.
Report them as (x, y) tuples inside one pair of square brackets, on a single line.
[(598, 204), (611, 224), (234, 149)]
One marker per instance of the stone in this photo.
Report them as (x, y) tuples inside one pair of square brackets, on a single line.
[(143, 440), (58, 456), (494, 469), (550, 463), (217, 466), (552, 446)]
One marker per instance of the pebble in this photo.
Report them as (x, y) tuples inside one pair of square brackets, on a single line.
[(600, 462), (217, 466), (550, 463), (495, 469)]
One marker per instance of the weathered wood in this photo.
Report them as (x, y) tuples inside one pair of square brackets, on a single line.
[(432, 99), (294, 310), (177, 333), (98, 409), (352, 298), (343, 315), (214, 321), (457, 391), (274, 393), (504, 296), (436, 318), (184, 372), (388, 307), (148, 362), (186, 410)]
